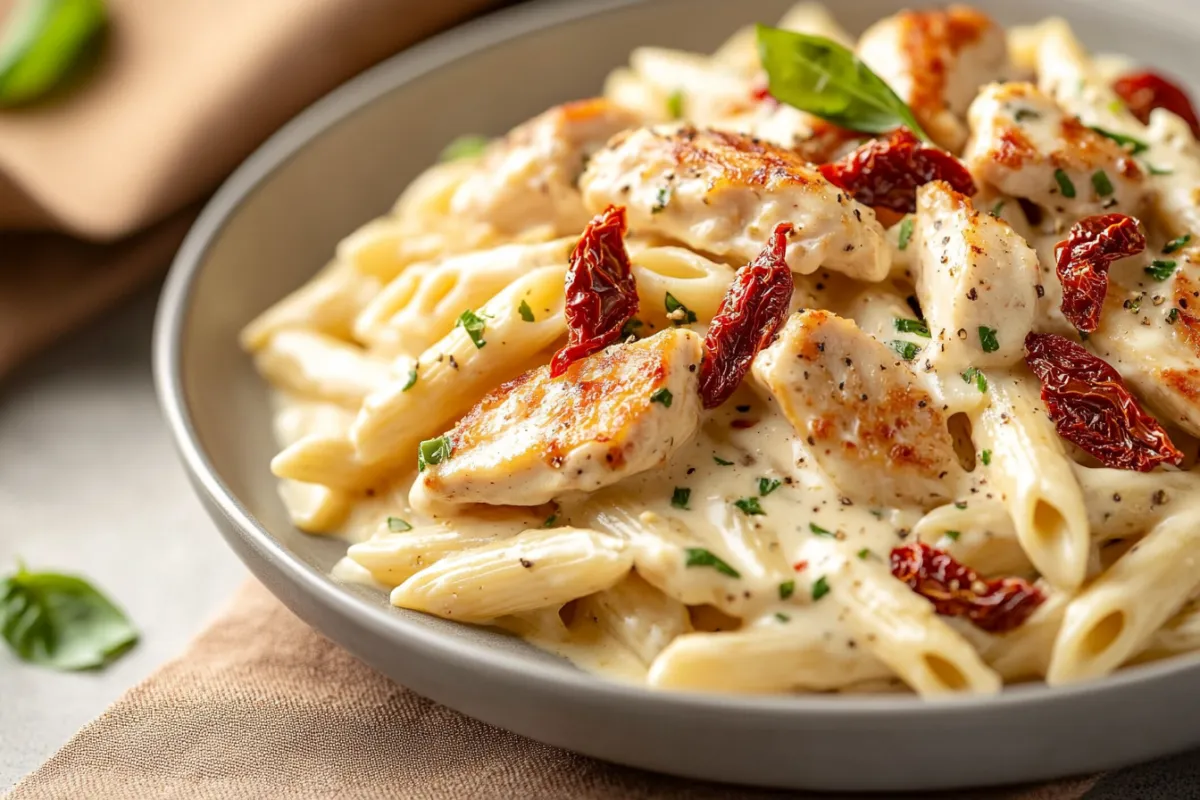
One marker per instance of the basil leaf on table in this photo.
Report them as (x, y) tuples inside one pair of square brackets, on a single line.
[(61, 621), (43, 41), (823, 78)]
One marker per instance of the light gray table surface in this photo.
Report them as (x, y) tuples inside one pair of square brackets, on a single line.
[(89, 484)]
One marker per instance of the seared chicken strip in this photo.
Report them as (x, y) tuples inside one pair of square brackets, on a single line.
[(613, 414), (1024, 145), (936, 61), (724, 193), (863, 413), (976, 277), (528, 178)]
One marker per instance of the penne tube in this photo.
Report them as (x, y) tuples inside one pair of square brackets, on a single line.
[(979, 534), (637, 615), (318, 366), (327, 304), (1122, 504)]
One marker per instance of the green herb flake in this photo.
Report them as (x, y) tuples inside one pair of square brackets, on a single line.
[(699, 557), (825, 79), (45, 44), (661, 199), (917, 326), (525, 311), (411, 381), (768, 485), (787, 589), (1172, 315), (906, 350), (681, 496), (468, 146), (663, 396), (976, 375), (397, 525), (988, 340), (1064, 184), (1101, 183), (820, 588), (720, 462), (779, 615), (432, 451), (1160, 269), (1176, 244), (677, 312), (819, 531), (1023, 114), (996, 209), (675, 104), (865, 553), (749, 506), (473, 324), (630, 328), (986, 457), (1153, 170), (952, 535), (906, 232), (960, 505), (550, 521), (1132, 145), (61, 621)]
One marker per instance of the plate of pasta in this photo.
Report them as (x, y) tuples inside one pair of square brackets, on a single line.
[(781, 386)]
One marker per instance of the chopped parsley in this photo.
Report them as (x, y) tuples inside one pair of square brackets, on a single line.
[(986, 457), (1134, 146), (865, 553), (906, 232), (996, 209), (974, 374), (749, 506), (782, 617), (952, 535), (1064, 184), (412, 380), (917, 326), (988, 340), (699, 557), (1101, 183), (677, 311), (819, 531), (1026, 113), (675, 104), (432, 451), (661, 199), (721, 462), (906, 350), (787, 589), (630, 328), (1159, 171), (1161, 269), (768, 485), (473, 324), (525, 311), (663, 396), (820, 588), (1172, 315), (960, 505), (550, 520), (681, 496), (397, 525), (1176, 244)]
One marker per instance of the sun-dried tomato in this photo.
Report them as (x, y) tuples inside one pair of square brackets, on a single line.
[(1145, 91), (751, 312), (601, 291), (1083, 259), (886, 174), (1092, 407), (956, 590)]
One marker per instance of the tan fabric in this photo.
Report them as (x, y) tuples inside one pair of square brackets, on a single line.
[(261, 706)]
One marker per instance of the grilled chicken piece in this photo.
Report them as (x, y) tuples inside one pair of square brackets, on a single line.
[(867, 421), (611, 415), (1023, 144), (724, 193), (528, 178), (936, 61), (975, 274)]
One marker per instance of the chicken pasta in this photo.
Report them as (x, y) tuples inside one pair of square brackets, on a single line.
[(814, 365)]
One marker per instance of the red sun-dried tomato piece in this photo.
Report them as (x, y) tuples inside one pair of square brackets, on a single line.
[(886, 174), (1083, 259), (751, 312), (601, 291), (956, 590), (1092, 407), (1143, 92)]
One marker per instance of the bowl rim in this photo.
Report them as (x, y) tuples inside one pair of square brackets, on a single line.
[(170, 325)]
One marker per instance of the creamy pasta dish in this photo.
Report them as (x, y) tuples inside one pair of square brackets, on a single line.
[(815, 364)]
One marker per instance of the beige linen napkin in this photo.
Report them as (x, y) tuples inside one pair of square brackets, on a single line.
[(261, 706)]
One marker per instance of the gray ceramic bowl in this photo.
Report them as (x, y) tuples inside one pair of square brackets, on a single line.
[(276, 221)]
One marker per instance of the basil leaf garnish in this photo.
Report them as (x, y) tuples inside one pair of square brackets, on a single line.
[(43, 43), (823, 78)]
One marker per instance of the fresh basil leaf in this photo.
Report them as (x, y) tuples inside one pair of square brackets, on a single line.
[(61, 621), (699, 557), (467, 146), (823, 78), (43, 43)]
